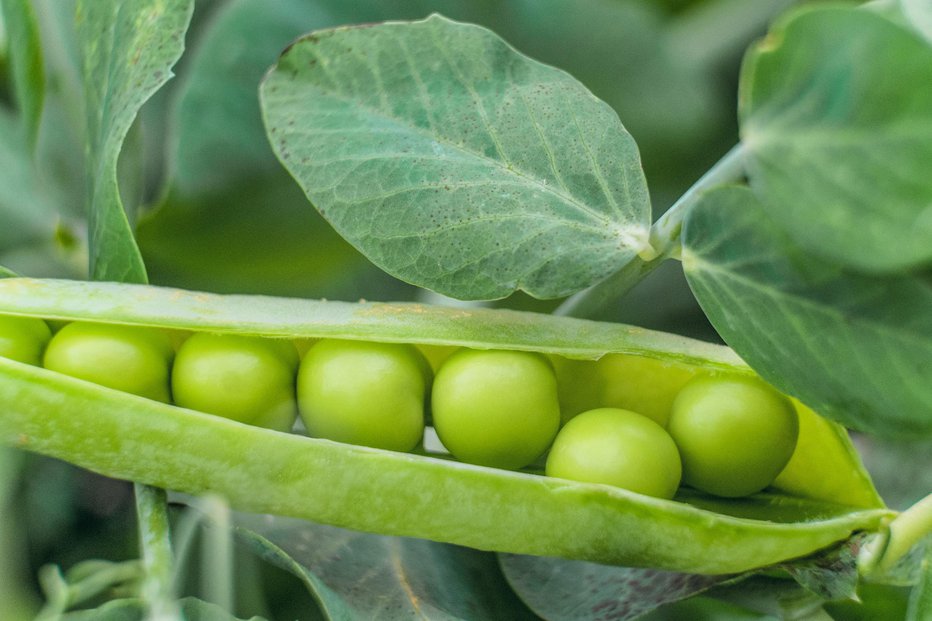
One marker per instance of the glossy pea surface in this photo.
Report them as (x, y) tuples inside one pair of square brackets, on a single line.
[(496, 408), (243, 378), (735, 434), (23, 338), (127, 358), (366, 393), (617, 447)]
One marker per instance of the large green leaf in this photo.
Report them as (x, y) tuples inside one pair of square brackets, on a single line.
[(836, 117), (219, 93), (128, 49), (228, 200), (454, 162), (361, 576), (565, 590), (562, 590), (854, 348), (19, 21)]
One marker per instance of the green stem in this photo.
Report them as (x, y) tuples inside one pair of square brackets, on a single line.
[(906, 530), (217, 546), (183, 538), (217, 577), (156, 552), (664, 238)]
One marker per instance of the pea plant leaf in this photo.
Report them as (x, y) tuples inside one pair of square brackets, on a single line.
[(128, 48), (356, 575), (218, 92), (206, 233), (854, 348), (564, 590), (454, 162), (832, 575), (19, 21), (836, 118)]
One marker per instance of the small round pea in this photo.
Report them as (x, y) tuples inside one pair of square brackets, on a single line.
[(244, 378), (23, 338), (496, 408), (735, 434), (617, 447), (371, 394), (127, 358)]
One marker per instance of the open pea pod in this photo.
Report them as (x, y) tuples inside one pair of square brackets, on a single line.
[(129, 437)]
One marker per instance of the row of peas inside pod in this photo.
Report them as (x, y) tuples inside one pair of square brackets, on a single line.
[(821, 498), (621, 421)]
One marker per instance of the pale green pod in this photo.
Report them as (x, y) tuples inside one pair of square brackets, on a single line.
[(129, 437)]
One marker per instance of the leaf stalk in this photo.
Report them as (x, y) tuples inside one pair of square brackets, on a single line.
[(664, 240)]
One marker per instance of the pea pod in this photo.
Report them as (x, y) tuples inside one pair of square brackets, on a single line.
[(125, 436)]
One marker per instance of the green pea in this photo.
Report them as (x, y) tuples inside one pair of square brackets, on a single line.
[(371, 394), (23, 338), (496, 408), (735, 434), (243, 378), (127, 358), (617, 447)]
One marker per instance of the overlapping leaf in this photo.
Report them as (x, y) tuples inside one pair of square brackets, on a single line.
[(361, 576), (128, 48), (787, 313), (836, 116), (454, 162), (228, 200), (561, 590)]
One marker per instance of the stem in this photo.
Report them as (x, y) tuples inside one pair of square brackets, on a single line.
[(184, 533), (156, 552), (906, 530), (664, 238), (217, 573), (217, 547), (590, 302)]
